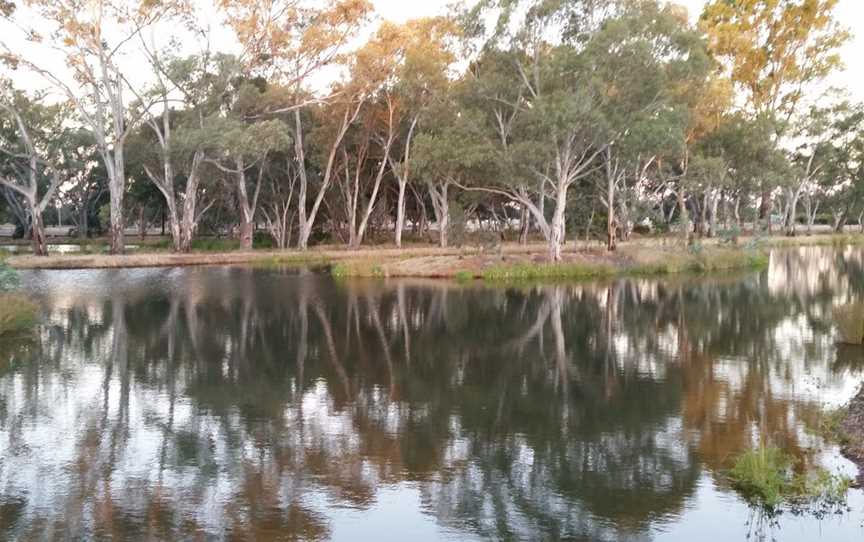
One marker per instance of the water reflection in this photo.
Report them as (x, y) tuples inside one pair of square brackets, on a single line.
[(265, 405)]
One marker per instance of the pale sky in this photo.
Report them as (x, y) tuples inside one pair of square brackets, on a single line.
[(850, 13)]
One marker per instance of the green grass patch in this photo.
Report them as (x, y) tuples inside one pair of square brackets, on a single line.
[(634, 263), (215, 244), (17, 313), (766, 477), (532, 271), (695, 261), (464, 276), (357, 268)]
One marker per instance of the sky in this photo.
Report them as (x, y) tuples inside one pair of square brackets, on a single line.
[(849, 13)]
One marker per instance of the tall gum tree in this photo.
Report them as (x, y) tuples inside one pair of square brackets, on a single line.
[(650, 62), (91, 38), (423, 51), (774, 51), (239, 146), (27, 131), (290, 42), (186, 90)]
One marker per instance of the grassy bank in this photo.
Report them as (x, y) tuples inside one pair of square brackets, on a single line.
[(644, 256), (515, 263), (634, 262)]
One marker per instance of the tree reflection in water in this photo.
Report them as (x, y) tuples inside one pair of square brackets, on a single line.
[(249, 404)]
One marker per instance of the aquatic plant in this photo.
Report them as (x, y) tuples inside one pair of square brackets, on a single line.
[(850, 322)]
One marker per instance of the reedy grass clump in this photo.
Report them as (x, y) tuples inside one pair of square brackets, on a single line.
[(464, 276), (765, 477), (357, 268), (637, 263), (17, 313), (696, 261), (530, 271)]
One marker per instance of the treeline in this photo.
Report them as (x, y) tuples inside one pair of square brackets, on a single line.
[(324, 123)]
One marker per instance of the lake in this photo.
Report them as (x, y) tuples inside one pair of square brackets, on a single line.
[(237, 403)]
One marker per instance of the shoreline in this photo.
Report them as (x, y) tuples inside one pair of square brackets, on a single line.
[(510, 261)]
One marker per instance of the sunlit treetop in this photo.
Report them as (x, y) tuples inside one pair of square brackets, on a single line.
[(773, 49)]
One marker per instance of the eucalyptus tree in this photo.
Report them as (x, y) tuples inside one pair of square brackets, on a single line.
[(29, 131), (289, 43), (92, 39), (453, 152), (566, 105), (373, 72), (85, 186), (188, 90), (843, 172), (773, 52), (238, 146), (423, 51), (806, 160), (652, 66)]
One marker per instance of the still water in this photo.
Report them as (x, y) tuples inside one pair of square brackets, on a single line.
[(231, 403)]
